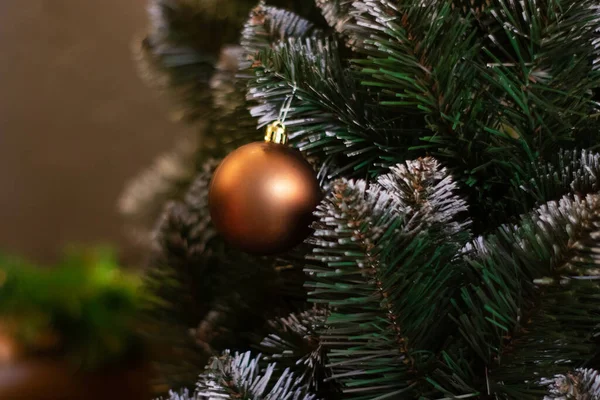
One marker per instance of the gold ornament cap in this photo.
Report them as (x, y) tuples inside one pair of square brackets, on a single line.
[(276, 133)]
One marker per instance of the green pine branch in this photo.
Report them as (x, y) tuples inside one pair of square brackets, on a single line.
[(425, 190), (410, 308), (184, 56), (172, 173), (209, 93), (203, 83), (423, 58), (329, 116), (295, 344), (571, 171), (420, 56), (267, 26), (541, 71), (185, 44), (185, 230), (368, 354), (204, 25), (488, 113), (176, 278), (384, 276), (530, 308), (234, 377), (229, 124)]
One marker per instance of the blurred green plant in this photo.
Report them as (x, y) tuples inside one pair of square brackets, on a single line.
[(86, 308)]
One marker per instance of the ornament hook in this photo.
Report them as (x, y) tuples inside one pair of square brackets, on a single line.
[(276, 132)]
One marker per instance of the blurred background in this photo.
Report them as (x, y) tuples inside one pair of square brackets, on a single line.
[(76, 123)]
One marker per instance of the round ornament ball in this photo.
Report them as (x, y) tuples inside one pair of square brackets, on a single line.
[(263, 195)]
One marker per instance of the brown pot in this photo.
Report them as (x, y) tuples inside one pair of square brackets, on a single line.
[(54, 380)]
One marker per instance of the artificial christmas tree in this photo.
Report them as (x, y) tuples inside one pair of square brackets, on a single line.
[(454, 254)]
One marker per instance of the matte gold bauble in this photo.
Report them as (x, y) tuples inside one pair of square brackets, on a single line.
[(263, 195)]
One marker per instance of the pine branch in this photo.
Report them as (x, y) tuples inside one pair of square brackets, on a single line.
[(337, 14), (573, 171), (180, 72), (230, 125), (187, 52), (202, 25), (435, 60), (329, 116), (239, 377), (543, 74), (225, 88), (268, 26), (148, 66), (358, 328), (532, 306), (185, 230), (384, 277), (581, 384), (295, 345), (184, 44), (214, 102), (176, 279), (183, 395), (488, 113), (421, 57), (476, 7), (167, 179), (177, 52), (424, 190)]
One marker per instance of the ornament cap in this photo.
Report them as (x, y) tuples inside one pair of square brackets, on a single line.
[(276, 133)]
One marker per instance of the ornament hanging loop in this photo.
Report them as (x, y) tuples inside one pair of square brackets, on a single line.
[(276, 132)]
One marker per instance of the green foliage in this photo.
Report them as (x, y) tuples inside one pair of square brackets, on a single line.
[(570, 172), (238, 376), (329, 117), (544, 76), (488, 113), (425, 190), (180, 48), (178, 280), (295, 344), (86, 302), (387, 277), (421, 57), (358, 329), (530, 301), (520, 301)]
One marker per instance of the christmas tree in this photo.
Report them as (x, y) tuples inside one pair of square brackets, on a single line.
[(454, 254)]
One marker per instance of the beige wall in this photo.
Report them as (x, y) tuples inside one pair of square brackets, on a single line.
[(75, 121)]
